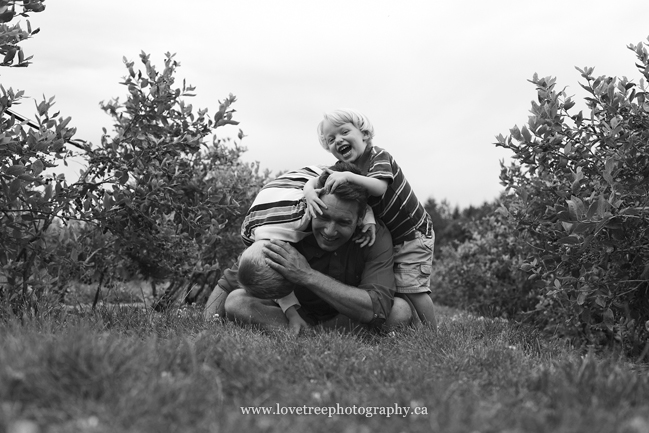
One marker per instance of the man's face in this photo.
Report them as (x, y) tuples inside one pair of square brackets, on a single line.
[(346, 142), (337, 223)]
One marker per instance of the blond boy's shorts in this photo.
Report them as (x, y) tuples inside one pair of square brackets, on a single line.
[(413, 263)]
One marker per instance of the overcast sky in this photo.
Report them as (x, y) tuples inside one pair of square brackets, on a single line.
[(438, 79)]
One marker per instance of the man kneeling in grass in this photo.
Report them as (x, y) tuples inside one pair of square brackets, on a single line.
[(337, 282)]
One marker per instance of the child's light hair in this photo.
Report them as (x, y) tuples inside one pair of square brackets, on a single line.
[(259, 279), (346, 115)]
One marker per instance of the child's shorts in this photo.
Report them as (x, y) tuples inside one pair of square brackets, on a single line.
[(413, 263)]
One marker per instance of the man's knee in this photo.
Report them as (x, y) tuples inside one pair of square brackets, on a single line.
[(400, 314), (243, 308), (215, 303)]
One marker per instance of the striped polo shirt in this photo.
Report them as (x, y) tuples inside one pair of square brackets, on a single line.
[(279, 210), (398, 208)]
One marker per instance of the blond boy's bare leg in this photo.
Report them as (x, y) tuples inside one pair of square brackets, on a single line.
[(424, 308)]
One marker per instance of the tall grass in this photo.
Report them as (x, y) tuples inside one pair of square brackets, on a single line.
[(130, 370)]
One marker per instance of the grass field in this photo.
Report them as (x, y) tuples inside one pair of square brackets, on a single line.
[(130, 370)]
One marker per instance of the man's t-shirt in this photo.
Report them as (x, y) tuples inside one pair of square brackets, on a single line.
[(367, 268)]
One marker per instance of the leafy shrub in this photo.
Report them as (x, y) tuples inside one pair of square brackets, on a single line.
[(581, 205), (163, 197), (162, 193), (567, 248), (11, 35), (450, 225), (482, 274), (32, 196)]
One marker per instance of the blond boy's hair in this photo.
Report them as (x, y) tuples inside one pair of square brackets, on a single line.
[(346, 115), (259, 279)]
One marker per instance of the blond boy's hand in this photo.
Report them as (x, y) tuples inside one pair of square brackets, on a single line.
[(367, 236), (337, 178), (314, 205)]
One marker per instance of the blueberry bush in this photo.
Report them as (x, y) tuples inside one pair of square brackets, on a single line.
[(161, 198), (567, 248)]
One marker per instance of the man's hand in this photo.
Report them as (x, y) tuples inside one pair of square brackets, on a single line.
[(286, 260), (367, 236)]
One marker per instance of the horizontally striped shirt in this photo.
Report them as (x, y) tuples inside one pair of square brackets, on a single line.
[(279, 210), (398, 208)]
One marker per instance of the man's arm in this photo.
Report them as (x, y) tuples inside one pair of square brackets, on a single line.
[(378, 273), (351, 301)]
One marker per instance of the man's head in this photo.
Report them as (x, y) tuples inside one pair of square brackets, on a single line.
[(259, 279), (344, 212), (345, 133)]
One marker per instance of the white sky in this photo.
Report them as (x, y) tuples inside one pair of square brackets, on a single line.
[(438, 79)]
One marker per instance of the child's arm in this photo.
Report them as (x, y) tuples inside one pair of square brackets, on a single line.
[(367, 236), (289, 305), (374, 186), (313, 202), (288, 301), (295, 321)]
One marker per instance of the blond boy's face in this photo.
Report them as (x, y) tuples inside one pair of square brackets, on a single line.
[(346, 142)]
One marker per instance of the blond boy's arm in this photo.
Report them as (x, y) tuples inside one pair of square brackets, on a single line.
[(374, 186), (288, 301), (295, 321), (313, 202), (309, 187)]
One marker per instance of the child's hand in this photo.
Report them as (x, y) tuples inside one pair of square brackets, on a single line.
[(337, 178), (295, 322), (367, 236), (314, 205)]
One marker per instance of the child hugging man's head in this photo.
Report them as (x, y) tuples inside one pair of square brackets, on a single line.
[(259, 279)]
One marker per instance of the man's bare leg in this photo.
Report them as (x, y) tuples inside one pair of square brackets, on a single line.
[(215, 303), (400, 315)]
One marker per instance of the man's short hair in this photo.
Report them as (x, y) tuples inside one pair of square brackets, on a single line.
[(350, 192), (259, 279)]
